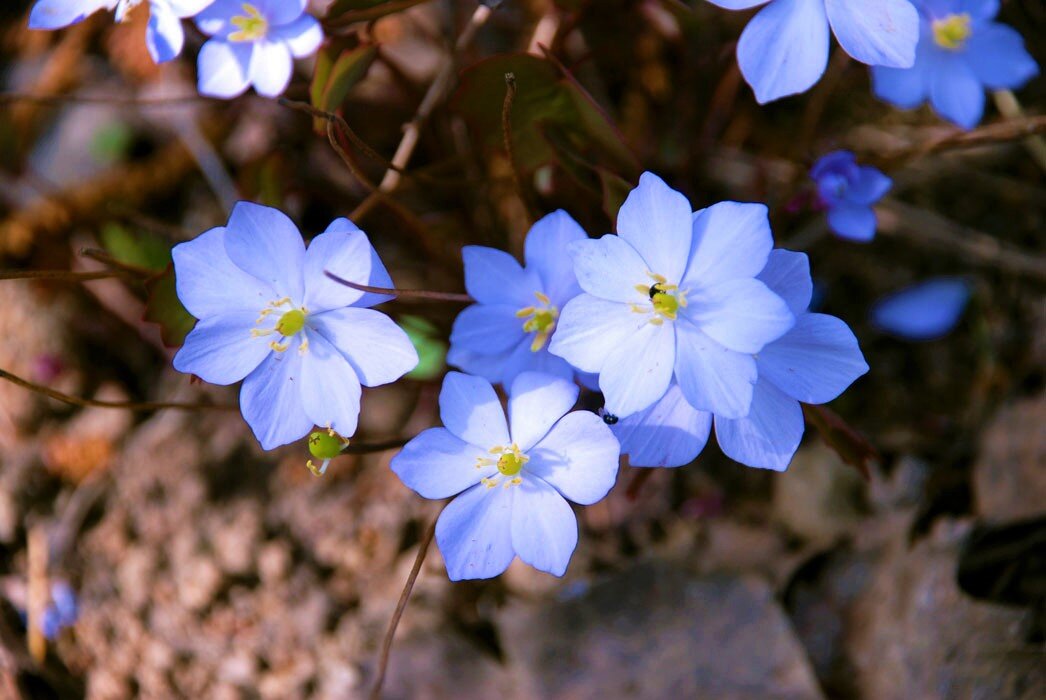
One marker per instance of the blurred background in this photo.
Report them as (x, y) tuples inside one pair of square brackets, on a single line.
[(161, 553)]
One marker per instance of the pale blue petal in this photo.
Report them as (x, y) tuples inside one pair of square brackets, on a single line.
[(164, 36), (737, 4), (784, 49), (471, 410), (208, 283), (378, 350), (223, 69), (345, 251), (787, 274), (998, 57), (671, 433), (270, 68), (474, 533), (815, 362), (220, 349), (956, 93), (330, 388), (924, 311), (490, 367), (546, 254), (731, 240), (578, 457), (854, 222), (55, 14), (740, 314), (265, 243), (484, 329), (978, 9), (769, 435), (544, 529), (610, 268), (876, 32), (713, 378), (523, 359), (906, 88), (187, 8), (270, 401), (494, 277), (436, 464), (536, 402), (589, 329), (638, 371), (656, 221), (303, 36), (213, 20), (280, 11), (869, 186)]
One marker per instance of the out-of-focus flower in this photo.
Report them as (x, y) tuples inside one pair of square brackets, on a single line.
[(848, 191), (164, 36), (302, 343), (924, 311), (62, 612), (254, 43), (513, 479), (673, 294), (508, 330), (784, 49), (813, 363), (961, 53)]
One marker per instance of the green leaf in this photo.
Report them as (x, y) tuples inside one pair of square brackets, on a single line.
[(141, 249), (111, 142), (337, 71), (165, 309), (432, 350)]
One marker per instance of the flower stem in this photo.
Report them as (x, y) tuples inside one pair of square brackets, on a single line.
[(403, 293)]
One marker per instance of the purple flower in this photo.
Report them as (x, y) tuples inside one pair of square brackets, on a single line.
[(848, 191)]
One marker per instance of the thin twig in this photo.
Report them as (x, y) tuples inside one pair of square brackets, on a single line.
[(953, 139), (98, 403), (386, 646), (365, 448), (107, 259), (58, 100), (506, 134), (403, 293), (61, 275)]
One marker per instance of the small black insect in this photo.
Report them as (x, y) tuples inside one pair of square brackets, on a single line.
[(654, 291), (610, 419)]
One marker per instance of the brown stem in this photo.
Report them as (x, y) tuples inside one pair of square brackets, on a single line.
[(403, 293), (107, 259), (61, 275), (58, 100), (358, 448), (386, 646)]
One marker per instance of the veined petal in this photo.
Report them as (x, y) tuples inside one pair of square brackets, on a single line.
[(263, 242), (784, 49), (855, 222), (544, 529), (610, 268), (223, 69), (731, 240), (589, 329), (769, 435), (436, 464), (493, 276), (787, 274), (474, 533), (578, 457), (345, 251), (220, 349), (536, 402), (378, 350), (270, 401), (656, 222), (471, 410), (487, 329), (164, 36), (330, 389), (303, 36), (740, 314), (546, 254), (271, 67), (876, 32), (209, 283), (713, 378), (671, 433), (638, 371)]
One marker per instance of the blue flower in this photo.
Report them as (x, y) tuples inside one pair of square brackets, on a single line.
[(849, 190), (164, 36), (254, 43), (302, 343), (673, 294), (924, 311), (784, 49), (961, 52), (508, 330), (812, 363), (513, 478), (62, 612)]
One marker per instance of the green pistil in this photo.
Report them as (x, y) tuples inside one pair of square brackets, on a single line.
[(952, 32), (290, 323)]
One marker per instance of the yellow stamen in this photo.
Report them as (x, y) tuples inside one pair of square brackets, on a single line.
[(952, 32), (279, 347), (539, 320), (252, 24)]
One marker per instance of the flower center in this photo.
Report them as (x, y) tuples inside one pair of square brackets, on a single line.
[(290, 323), (952, 31), (665, 299), (252, 24), (510, 461), (540, 320), (325, 445)]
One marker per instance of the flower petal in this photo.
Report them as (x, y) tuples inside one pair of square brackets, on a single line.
[(55, 14), (271, 67), (876, 32), (164, 36), (670, 433), (731, 240), (924, 311), (956, 93), (769, 435), (737, 4), (741, 314), (998, 57), (187, 8), (578, 457), (263, 242), (590, 328), (223, 69), (656, 222), (713, 378), (906, 88), (854, 222), (869, 186), (784, 49), (330, 389), (378, 350), (270, 401), (279, 12), (787, 274), (220, 349), (302, 37), (436, 464), (493, 276), (638, 371), (345, 251), (610, 268), (815, 361), (546, 254), (544, 529), (471, 410), (208, 283), (484, 329), (536, 402), (474, 533)]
